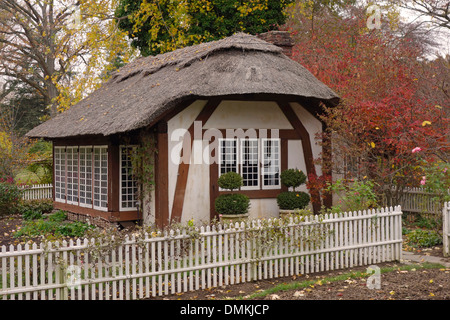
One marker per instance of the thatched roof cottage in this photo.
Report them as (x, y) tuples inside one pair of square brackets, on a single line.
[(195, 97)]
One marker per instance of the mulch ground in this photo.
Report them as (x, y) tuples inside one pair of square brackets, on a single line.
[(8, 225), (415, 284)]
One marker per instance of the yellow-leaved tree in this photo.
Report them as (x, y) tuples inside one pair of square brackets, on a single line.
[(60, 47)]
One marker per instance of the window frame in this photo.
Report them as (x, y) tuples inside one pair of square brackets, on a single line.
[(74, 173), (240, 162), (91, 152), (270, 187), (100, 207), (135, 200), (60, 162), (220, 154)]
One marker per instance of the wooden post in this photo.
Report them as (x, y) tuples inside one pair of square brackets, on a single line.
[(162, 176)]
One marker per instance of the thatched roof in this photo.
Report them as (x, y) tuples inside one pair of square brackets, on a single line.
[(138, 94)]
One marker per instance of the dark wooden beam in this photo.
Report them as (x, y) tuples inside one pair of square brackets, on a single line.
[(183, 167), (162, 176), (306, 144), (284, 160), (113, 175)]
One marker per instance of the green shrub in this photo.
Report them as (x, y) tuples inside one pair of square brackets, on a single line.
[(230, 181), (353, 195), (43, 206), (49, 228), (10, 196), (291, 200), (423, 238), (292, 178), (31, 214), (58, 216), (428, 222), (73, 229), (232, 204)]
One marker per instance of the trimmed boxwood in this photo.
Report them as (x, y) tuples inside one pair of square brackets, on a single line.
[(236, 203), (292, 178), (291, 200), (230, 181), (229, 204)]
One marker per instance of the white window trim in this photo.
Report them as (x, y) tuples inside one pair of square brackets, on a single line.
[(220, 156), (76, 203), (274, 187), (120, 180), (241, 164), (239, 155), (99, 208), (62, 152), (87, 205)]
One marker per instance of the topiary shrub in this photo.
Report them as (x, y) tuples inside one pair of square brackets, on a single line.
[(291, 200), (292, 178), (230, 204), (236, 203), (230, 181)]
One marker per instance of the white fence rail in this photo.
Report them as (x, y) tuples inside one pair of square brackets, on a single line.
[(215, 256), (418, 200), (446, 228), (37, 192)]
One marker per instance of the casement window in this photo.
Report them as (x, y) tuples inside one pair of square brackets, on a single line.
[(128, 183), (228, 156), (72, 175), (86, 176), (60, 174), (100, 178), (249, 166), (81, 176), (256, 160)]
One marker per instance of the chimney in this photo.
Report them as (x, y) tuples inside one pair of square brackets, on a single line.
[(281, 39)]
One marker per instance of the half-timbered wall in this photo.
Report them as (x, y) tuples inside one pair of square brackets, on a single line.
[(266, 118)]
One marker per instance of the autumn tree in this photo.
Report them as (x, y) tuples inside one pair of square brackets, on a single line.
[(386, 109), (160, 26), (58, 47)]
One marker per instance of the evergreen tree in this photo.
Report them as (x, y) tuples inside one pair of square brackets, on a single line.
[(164, 25)]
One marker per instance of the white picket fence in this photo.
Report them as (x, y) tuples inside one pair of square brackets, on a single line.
[(37, 192), (418, 200), (182, 261), (446, 229)]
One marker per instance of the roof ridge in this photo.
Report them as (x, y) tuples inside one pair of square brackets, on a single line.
[(185, 56)]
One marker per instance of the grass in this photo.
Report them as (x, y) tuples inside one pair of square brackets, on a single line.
[(351, 275)]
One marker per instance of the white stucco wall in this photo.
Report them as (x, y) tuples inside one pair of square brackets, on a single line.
[(314, 127), (231, 115)]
